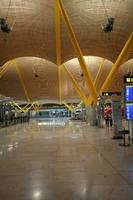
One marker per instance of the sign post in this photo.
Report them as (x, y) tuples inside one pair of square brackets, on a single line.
[(128, 97)]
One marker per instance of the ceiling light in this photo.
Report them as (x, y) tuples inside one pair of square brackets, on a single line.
[(81, 74), (4, 26), (36, 75), (109, 26)]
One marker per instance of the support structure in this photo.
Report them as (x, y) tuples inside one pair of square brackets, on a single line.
[(20, 109), (96, 81), (5, 68), (78, 51), (21, 81), (77, 87), (120, 60), (58, 47), (87, 101), (69, 107), (26, 108)]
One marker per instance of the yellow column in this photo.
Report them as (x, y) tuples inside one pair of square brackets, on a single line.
[(22, 81), (97, 80), (78, 52), (5, 68), (77, 87), (99, 72), (58, 46), (69, 107), (121, 59)]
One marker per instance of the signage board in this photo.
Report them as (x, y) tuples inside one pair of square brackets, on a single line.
[(128, 79), (129, 111), (128, 93), (106, 94)]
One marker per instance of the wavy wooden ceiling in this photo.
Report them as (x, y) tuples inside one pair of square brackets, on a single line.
[(45, 87), (33, 35), (33, 31)]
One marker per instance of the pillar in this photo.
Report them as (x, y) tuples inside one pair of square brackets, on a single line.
[(130, 124), (91, 115), (116, 115)]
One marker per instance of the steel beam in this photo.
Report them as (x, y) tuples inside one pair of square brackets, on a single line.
[(60, 83), (69, 107), (22, 81), (78, 51), (58, 47), (77, 87), (5, 68), (58, 34), (120, 60), (96, 81), (22, 109)]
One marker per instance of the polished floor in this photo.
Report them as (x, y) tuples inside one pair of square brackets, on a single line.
[(63, 160)]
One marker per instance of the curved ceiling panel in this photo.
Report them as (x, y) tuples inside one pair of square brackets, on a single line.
[(127, 67), (88, 17), (33, 31), (118, 83), (41, 79), (93, 64), (33, 28)]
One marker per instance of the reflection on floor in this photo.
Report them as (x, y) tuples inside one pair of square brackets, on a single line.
[(67, 161)]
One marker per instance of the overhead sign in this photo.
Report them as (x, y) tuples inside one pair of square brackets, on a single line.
[(106, 94), (128, 79)]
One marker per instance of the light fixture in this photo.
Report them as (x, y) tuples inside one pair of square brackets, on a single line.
[(4, 25), (36, 195), (109, 26), (81, 74), (36, 75)]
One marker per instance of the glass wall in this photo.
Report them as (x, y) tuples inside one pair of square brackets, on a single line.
[(51, 113)]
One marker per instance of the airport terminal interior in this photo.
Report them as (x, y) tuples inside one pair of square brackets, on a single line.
[(66, 100)]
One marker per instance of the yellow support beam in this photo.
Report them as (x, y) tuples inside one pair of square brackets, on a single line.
[(36, 106), (16, 109), (22, 81), (21, 109), (78, 51), (77, 87), (15, 105), (26, 106), (60, 83), (96, 81), (121, 59), (58, 46), (58, 33), (69, 107), (5, 68), (79, 105)]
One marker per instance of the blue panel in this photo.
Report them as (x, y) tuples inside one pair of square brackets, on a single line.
[(129, 93), (129, 111)]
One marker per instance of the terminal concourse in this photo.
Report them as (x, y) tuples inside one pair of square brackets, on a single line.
[(66, 100)]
